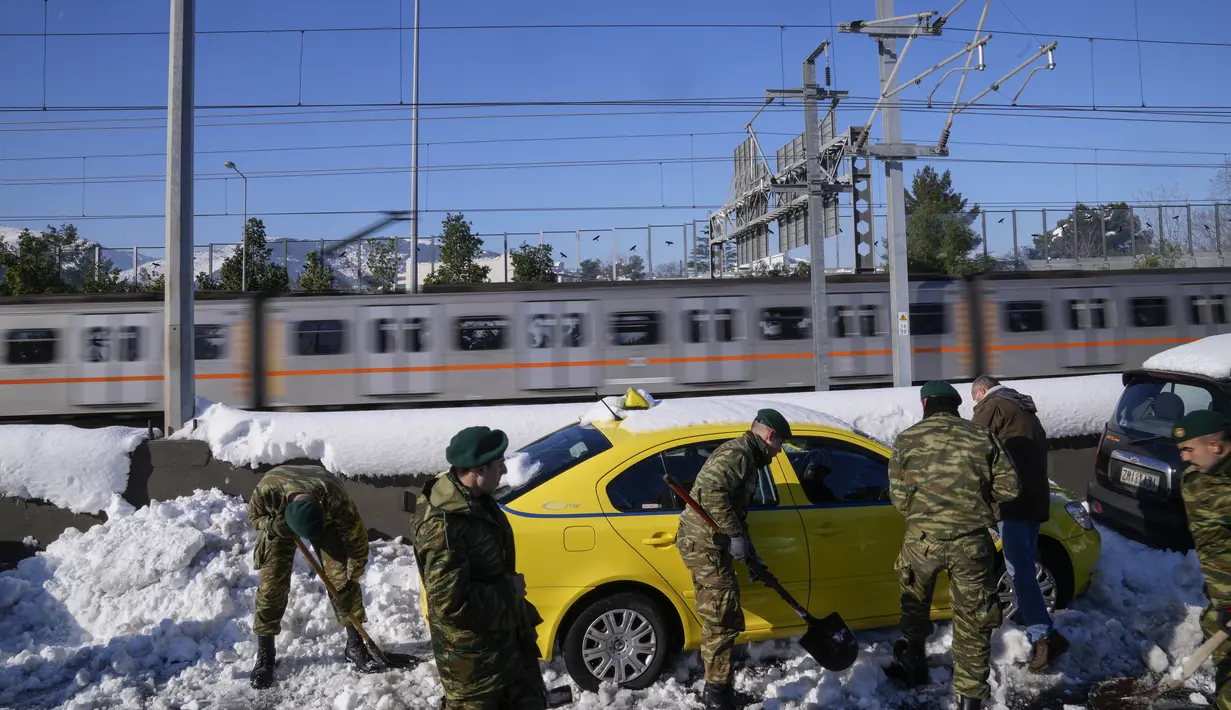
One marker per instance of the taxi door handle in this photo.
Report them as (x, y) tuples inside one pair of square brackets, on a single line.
[(660, 539), (826, 530)]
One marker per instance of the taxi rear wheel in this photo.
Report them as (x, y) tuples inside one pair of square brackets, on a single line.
[(621, 639)]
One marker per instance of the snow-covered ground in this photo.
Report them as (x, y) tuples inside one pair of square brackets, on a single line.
[(411, 441), (153, 609)]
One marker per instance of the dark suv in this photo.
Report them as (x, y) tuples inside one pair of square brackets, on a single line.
[(1138, 470)]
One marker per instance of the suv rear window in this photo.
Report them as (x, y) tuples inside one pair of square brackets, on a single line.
[(536, 463), (1151, 407)]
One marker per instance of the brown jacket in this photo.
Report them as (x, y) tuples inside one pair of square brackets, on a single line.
[(1011, 416)]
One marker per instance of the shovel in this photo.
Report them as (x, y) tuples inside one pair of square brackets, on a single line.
[(386, 660), (829, 641), (1126, 693)]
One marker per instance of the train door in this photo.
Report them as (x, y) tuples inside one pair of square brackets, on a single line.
[(1203, 310), (860, 344), (713, 346), (398, 350), (1089, 322), (560, 346), (118, 358), (220, 353)]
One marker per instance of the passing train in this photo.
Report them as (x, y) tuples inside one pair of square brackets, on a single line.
[(101, 354)]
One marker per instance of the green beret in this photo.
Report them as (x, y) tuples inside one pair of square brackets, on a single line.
[(476, 446), (1202, 422), (939, 388), (305, 518), (772, 419)]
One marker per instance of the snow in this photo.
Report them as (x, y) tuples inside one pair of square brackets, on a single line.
[(1208, 357), (412, 441), (83, 470), (153, 609)]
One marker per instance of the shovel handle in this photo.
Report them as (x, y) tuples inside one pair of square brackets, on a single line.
[(333, 596), (768, 580)]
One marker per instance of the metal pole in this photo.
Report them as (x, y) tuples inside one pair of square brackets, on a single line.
[(179, 394), (1217, 230), (685, 228), (613, 254), (1160, 230), (244, 235), (506, 257), (816, 230), (1046, 240), (136, 268), (414, 173), (1015, 252), (579, 255), (895, 215), (984, 213), (649, 251), (1189, 209)]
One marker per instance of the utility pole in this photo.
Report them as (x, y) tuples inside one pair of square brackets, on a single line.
[(243, 233), (179, 392), (886, 29), (414, 167)]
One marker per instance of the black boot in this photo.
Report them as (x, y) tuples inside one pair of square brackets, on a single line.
[(718, 696), (965, 703), (357, 652), (910, 662), (263, 672)]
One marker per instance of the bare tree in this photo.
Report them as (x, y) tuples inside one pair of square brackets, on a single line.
[(1220, 184)]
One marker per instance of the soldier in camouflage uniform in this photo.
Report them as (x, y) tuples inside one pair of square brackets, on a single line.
[(724, 487), (948, 477), (482, 626), (1204, 441), (310, 502)]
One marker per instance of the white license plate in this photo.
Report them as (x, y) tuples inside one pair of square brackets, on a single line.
[(1138, 478)]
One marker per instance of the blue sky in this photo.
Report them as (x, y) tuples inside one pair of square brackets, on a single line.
[(575, 64)]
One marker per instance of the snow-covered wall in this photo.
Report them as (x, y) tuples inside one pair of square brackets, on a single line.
[(82, 470)]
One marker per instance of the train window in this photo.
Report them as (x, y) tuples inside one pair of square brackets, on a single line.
[(1149, 312), (320, 337), (928, 319), (696, 325), (1025, 316), (35, 346), (867, 321), (786, 324), (209, 342), (845, 317), (481, 332), (1207, 310), (635, 328), (724, 325), (1087, 314), (841, 324), (542, 332), (414, 335), (128, 343), (572, 331), (98, 342), (385, 336)]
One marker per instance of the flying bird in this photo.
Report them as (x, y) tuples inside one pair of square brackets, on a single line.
[(634, 248), (596, 236), (670, 244), (563, 255), (1000, 221)]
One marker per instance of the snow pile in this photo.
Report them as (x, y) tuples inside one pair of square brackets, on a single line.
[(153, 610), (83, 470), (413, 441), (1207, 357)]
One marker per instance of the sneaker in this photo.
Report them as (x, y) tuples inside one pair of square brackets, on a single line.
[(1046, 650)]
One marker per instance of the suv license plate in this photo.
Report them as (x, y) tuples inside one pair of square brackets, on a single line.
[(1137, 478)]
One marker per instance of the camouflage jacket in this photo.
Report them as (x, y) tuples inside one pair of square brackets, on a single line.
[(479, 625), (274, 491), (1207, 500), (948, 477), (724, 488)]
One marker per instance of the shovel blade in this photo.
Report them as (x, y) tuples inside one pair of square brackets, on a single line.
[(400, 660), (1141, 693), (830, 642)]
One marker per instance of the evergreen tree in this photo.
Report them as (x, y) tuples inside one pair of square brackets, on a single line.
[(459, 248), (938, 234), (382, 258), (263, 274), (592, 270), (533, 264), (104, 278), (633, 269), (31, 266), (316, 275), (205, 282), (1087, 231)]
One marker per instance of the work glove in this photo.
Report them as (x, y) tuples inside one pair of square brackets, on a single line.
[(1224, 619), (739, 548)]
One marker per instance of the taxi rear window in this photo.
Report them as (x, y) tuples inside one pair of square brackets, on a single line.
[(536, 463)]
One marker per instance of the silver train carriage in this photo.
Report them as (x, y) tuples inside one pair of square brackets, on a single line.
[(101, 354)]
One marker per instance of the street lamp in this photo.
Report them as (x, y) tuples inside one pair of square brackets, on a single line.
[(243, 235)]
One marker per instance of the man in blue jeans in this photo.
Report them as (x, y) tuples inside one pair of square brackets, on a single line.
[(1011, 416)]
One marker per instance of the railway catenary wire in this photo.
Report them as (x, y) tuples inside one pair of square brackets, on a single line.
[(99, 356)]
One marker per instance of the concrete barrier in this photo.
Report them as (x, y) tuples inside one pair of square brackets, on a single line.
[(163, 469)]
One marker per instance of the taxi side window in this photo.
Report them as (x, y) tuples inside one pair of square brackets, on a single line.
[(640, 488), (834, 472)]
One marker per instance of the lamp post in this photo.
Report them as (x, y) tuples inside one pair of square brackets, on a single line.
[(243, 235)]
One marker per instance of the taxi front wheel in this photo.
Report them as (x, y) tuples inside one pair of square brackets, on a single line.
[(621, 639)]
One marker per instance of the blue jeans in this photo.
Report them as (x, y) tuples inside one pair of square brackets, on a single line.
[(1020, 543)]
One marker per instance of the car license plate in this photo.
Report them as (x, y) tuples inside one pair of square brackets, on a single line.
[(1138, 478)]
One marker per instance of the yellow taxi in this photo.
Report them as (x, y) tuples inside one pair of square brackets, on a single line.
[(595, 527)]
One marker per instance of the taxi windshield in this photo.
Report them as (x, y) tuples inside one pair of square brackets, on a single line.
[(536, 463)]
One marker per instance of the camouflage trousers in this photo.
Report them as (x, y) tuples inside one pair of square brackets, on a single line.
[(526, 692), (718, 605), (275, 557), (1221, 658), (971, 564)]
